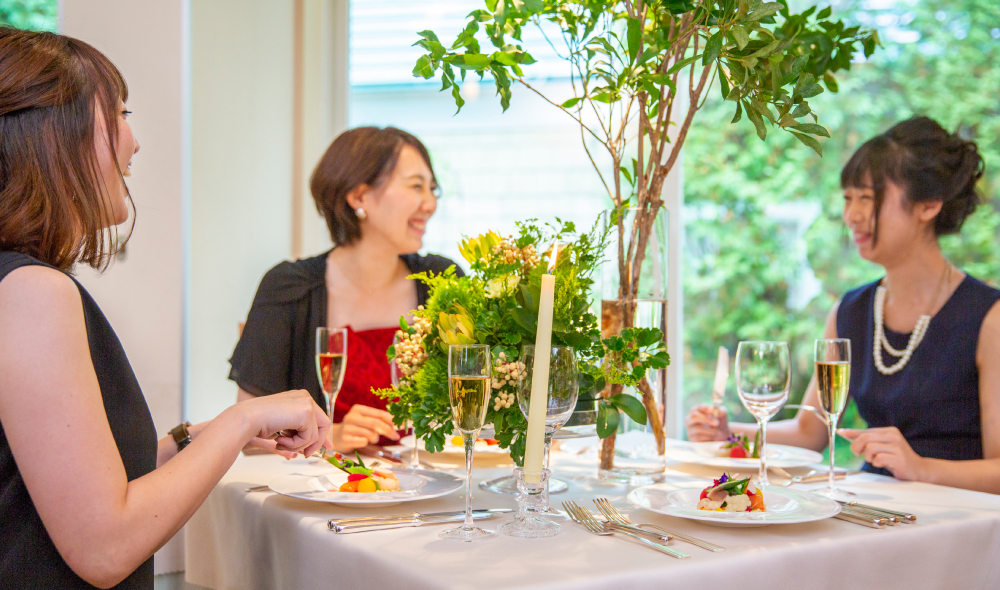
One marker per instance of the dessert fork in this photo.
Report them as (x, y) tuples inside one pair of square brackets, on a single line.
[(612, 514), (597, 527)]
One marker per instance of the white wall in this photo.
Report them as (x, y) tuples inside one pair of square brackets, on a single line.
[(241, 177), (142, 295)]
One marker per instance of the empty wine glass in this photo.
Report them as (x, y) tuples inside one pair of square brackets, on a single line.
[(331, 360), (469, 393), (833, 376), (763, 376)]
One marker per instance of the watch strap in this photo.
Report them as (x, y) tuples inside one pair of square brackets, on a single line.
[(181, 435)]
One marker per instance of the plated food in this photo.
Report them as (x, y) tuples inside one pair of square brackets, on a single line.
[(361, 479), (732, 495), (738, 447), (718, 454)]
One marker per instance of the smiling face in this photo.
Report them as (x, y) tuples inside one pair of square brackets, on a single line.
[(901, 224), (111, 179), (398, 210)]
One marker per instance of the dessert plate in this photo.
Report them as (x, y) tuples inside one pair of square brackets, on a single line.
[(415, 484), (783, 506)]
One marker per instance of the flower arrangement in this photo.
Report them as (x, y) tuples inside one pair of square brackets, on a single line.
[(497, 304)]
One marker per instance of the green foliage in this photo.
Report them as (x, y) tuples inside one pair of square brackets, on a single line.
[(742, 259), (35, 15), (769, 61)]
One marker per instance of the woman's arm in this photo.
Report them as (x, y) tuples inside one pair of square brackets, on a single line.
[(886, 447), (363, 425), (53, 417), (804, 430)]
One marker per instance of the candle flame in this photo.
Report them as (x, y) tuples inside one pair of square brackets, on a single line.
[(553, 258)]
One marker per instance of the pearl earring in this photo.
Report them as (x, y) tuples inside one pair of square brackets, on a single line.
[(362, 215)]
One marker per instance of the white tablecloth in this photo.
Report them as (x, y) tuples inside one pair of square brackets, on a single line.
[(264, 540)]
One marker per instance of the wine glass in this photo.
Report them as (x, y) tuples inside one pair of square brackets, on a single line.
[(833, 374), (396, 374), (331, 360), (563, 389), (763, 375), (469, 393)]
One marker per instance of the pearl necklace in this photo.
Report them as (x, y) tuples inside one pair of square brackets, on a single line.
[(916, 337)]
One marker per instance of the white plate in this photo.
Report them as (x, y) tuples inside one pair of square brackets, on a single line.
[(783, 506), (703, 453), (415, 484)]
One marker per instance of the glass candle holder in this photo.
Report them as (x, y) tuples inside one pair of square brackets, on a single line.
[(532, 502)]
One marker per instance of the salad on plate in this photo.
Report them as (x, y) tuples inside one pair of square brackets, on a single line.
[(732, 495)]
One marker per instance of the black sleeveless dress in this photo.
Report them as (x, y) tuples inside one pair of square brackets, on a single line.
[(28, 558), (934, 399)]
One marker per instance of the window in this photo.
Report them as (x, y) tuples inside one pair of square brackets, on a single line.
[(36, 15)]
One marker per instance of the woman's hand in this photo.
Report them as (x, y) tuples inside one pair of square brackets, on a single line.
[(362, 426), (886, 448), (290, 420), (705, 423)]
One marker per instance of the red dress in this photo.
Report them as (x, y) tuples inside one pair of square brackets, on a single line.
[(367, 367)]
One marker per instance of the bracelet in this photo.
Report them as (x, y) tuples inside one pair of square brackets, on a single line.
[(181, 435)]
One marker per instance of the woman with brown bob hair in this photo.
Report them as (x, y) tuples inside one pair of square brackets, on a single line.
[(87, 494), (925, 339), (377, 190)]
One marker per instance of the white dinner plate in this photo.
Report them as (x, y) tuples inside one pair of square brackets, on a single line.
[(415, 485), (703, 453), (783, 506)]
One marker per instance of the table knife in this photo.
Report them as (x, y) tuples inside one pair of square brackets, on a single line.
[(410, 515), (863, 520), (721, 376), (904, 517), (363, 527)]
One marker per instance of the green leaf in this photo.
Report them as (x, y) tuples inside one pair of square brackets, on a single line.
[(712, 48), (682, 64), (402, 323), (724, 84), (825, 13), (424, 68), (812, 129), (809, 141), (570, 103), (810, 91), (634, 35), (741, 36), (830, 81), (758, 122), (607, 419), (525, 319), (764, 10), (631, 405), (604, 97), (627, 175), (739, 112)]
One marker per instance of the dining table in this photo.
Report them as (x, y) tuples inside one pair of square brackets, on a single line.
[(241, 539)]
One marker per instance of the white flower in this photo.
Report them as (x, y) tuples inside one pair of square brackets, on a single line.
[(502, 285)]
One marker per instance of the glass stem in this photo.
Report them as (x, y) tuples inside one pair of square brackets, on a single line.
[(470, 445), (548, 445), (833, 445), (762, 474), (414, 459)]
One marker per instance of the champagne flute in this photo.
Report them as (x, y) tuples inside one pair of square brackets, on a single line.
[(469, 393), (833, 374), (763, 376), (331, 360), (396, 375)]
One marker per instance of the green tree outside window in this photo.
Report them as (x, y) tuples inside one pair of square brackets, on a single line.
[(35, 15)]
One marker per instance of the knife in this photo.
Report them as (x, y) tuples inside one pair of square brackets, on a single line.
[(381, 525), (410, 515), (721, 376), (904, 517)]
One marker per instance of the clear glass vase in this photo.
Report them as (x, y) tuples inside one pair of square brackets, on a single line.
[(635, 453)]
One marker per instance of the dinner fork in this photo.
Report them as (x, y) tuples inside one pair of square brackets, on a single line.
[(612, 514), (597, 527)]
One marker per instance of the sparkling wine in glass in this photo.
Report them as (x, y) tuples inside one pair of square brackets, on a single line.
[(331, 361), (469, 393), (833, 375), (763, 376)]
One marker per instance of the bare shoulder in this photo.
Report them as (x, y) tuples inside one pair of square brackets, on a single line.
[(37, 294), (830, 328), (989, 336)]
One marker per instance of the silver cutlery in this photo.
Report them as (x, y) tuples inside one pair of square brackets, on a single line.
[(862, 519), (890, 519), (904, 517), (597, 527), (262, 488), (612, 514), (347, 526)]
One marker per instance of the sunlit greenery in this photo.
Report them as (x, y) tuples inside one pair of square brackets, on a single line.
[(37, 15), (941, 58)]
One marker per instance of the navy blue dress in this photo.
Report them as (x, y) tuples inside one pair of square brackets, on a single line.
[(934, 399)]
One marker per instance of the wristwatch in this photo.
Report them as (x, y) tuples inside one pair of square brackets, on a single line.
[(181, 435)]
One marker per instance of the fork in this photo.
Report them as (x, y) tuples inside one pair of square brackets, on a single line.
[(612, 514), (597, 527)]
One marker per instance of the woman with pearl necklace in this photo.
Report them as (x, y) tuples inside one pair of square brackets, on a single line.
[(925, 338)]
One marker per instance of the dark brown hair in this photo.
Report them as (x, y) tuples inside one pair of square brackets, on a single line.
[(359, 156), (53, 204), (928, 163)]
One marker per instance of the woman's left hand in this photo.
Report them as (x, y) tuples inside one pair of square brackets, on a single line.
[(886, 448)]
